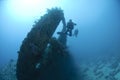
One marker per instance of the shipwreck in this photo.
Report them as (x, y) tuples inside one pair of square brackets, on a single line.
[(43, 57)]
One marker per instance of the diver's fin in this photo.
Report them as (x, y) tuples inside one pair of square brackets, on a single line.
[(60, 33)]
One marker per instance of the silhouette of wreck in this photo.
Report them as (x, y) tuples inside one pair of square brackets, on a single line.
[(42, 57)]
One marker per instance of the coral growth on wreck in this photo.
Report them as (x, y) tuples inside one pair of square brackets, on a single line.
[(37, 60)]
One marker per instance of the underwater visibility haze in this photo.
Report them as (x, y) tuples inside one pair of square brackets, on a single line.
[(93, 55)]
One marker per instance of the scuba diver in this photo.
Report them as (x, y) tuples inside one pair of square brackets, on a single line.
[(76, 32), (70, 27)]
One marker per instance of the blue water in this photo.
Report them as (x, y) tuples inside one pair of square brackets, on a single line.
[(98, 41)]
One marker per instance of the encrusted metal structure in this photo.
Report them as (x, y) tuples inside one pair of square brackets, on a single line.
[(39, 61), (34, 45)]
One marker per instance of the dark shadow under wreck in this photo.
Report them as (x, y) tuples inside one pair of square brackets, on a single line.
[(37, 60)]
